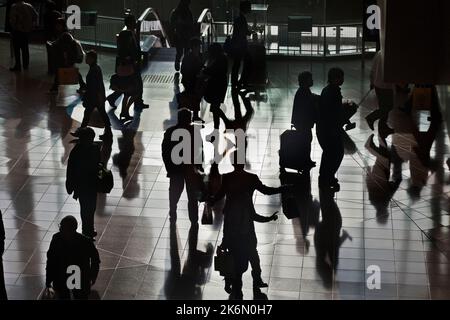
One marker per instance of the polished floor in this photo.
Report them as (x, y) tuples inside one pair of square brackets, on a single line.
[(404, 231)]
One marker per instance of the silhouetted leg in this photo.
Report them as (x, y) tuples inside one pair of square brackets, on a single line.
[(16, 41), (176, 188), (3, 295), (216, 116), (256, 269), (87, 115), (25, 51), (139, 89), (235, 70), (192, 189), (112, 98), (104, 115), (88, 203)]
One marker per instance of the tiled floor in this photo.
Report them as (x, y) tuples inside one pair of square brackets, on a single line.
[(406, 235)]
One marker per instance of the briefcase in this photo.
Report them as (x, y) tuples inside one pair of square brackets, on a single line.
[(224, 262)]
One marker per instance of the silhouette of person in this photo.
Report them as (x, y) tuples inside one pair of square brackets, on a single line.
[(190, 70), (304, 112), (385, 96), (216, 89), (82, 170), (328, 238), (186, 172), (239, 215), (3, 295), (182, 24), (329, 129), (22, 18), (129, 52), (51, 15), (69, 248), (240, 121), (94, 97), (66, 52), (239, 41), (186, 283)]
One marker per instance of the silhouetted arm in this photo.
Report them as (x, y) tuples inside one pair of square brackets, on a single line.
[(267, 190), (249, 111), (51, 264)]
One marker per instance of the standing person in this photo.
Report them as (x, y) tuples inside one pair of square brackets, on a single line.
[(69, 248), (239, 215), (182, 23), (329, 130), (217, 70), (82, 170), (129, 53), (186, 172), (22, 18), (3, 295), (239, 41), (190, 70), (95, 94), (304, 112), (385, 96)]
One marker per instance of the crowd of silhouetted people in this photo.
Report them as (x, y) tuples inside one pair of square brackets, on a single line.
[(206, 77)]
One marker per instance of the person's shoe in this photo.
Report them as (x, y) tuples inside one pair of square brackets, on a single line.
[(198, 119), (15, 69), (259, 284)]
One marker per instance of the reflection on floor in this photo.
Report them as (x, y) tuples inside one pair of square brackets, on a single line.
[(402, 226)]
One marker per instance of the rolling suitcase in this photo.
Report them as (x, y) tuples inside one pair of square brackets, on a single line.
[(294, 201), (293, 154)]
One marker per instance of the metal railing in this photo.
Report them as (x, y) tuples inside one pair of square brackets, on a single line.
[(340, 40), (150, 29), (207, 28)]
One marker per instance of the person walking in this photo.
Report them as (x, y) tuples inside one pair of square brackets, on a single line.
[(239, 41), (182, 23), (329, 130), (94, 97), (187, 172), (304, 112), (71, 252), (129, 54), (82, 171), (22, 18)]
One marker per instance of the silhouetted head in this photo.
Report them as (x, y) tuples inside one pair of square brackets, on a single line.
[(305, 79), (245, 7), (215, 50), (184, 117), (85, 135), (91, 57), (60, 25), (68, 226), (130, 22), (336, 76)]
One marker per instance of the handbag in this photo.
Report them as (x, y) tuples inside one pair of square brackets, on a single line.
[(224, 262), (105, 179), (207, 217), (68, 76)]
